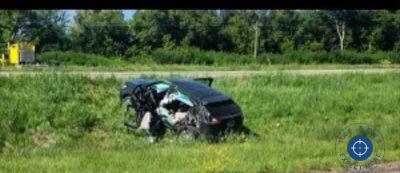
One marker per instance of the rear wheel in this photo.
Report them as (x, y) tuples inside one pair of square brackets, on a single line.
[(188, 132)]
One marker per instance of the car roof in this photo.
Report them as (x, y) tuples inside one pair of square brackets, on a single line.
[(142, 81), (198, 90), (194, 89)]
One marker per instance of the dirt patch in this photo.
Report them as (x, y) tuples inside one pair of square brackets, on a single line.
[(42, 139)]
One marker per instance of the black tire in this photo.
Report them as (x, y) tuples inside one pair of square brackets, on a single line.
[(212, 138), (188, 132), (157, 127)]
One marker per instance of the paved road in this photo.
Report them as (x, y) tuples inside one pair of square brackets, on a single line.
[(129, 74)]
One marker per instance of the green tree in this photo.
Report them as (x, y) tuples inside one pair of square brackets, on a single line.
[(46, 28), (10, 24), (200, 28), (280, 26), (154, 29), (341, 22), (389, 30), (237, 31), (100, 31)]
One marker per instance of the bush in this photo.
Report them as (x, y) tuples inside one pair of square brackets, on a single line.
[(395, 58), (193, 55), (78, 58), (314, 46), (392, 56), (307, 57), (352, 57)]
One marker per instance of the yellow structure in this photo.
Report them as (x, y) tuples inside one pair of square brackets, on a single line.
[(19, 53)]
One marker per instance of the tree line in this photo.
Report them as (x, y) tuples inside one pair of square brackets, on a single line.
[(106, 32)]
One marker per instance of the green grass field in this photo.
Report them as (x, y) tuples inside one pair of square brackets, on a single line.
[(67, 123)]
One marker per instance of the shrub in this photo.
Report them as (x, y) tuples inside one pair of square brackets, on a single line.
[(392, 56), (351, 57), (395, 58), (193, 55), (306, 57), (78, 58), (315, 46)]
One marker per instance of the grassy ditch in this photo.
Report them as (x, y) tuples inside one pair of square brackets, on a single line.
[(63, 123)]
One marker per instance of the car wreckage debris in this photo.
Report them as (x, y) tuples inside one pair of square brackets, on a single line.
[(190, 107)]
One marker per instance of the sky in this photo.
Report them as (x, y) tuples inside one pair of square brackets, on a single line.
[(127, 14)]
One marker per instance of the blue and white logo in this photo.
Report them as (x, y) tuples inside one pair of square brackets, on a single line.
[(360, 147)]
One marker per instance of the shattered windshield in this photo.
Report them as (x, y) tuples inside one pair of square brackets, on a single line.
[(182, 97), (161, 87)]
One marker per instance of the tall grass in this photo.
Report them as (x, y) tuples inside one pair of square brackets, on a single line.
[(297, 118), (66, 105)]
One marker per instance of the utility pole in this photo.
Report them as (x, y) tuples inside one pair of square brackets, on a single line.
[(256, 34), (255, 40)]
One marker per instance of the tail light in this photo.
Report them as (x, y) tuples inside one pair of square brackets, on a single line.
[(214, 121)]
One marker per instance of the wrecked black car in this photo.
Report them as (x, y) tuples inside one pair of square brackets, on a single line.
[(190, 107)]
